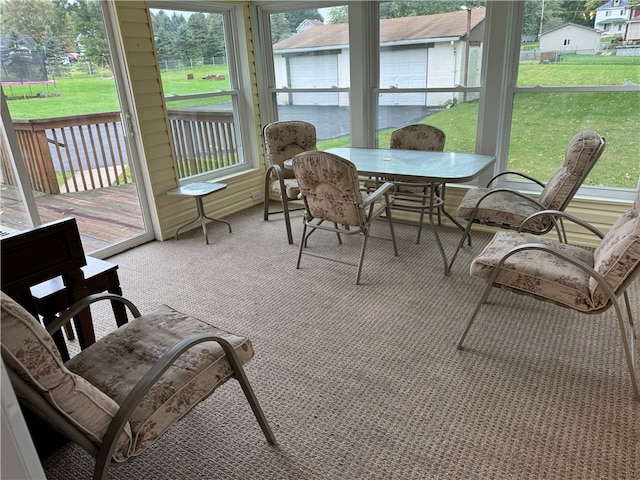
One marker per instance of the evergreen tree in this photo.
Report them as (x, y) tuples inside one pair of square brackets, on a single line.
[(53, 51), (200, 31), (19, 57), (280, 28), (185, 43), (165, 44)]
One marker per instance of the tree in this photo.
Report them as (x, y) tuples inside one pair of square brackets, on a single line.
[(28, 17), (53, 51), (199, 28), (19, 56), (296, 17), (91, 42), (165, 44), (185, 42), (280, 28), (338, 14), (412, 8)]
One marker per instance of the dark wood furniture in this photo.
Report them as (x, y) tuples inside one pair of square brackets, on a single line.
[(39, 254), (52, 297)]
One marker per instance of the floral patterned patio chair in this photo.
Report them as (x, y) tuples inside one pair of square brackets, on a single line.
[(116, 397), (507, 208), (331, 192), (589, 281), (282, 141)]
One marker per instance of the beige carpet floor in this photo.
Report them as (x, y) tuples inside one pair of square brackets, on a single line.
[(365, 382)]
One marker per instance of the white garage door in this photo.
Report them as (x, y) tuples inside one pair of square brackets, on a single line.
[(403, 69), (314, 71)]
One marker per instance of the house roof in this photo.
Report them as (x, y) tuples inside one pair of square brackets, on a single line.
[(611, 4), (573, 25), (393, 30)]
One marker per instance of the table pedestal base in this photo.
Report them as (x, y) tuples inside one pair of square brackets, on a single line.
[(197, 191)]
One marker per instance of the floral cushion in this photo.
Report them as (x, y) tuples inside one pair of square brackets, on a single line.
[(507, 210), (502, 208), (29, 350), (115, 363), (418, 137), (290, 185), (330, 186), (618, 255), (580, 157), (535, 272), (283, 140)]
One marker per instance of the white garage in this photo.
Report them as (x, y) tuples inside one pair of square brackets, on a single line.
[(406, 68), (313, 71)]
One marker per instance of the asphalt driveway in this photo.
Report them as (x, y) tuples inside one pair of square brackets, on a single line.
[(332, 122)]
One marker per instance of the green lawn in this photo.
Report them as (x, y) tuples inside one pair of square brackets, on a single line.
[(541, 129)]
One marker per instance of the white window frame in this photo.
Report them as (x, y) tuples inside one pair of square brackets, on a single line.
[(239, 77), (511, 88), (267, 89), (498, 85)]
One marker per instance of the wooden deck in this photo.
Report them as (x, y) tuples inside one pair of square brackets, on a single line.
[(105, 216)]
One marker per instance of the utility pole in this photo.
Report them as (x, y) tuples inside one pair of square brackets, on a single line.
[(466, 51)]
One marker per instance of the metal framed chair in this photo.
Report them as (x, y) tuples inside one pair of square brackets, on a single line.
[(282, 141), (508, 208), (410, 194), (573, 277), (331, 192), (120, 394)]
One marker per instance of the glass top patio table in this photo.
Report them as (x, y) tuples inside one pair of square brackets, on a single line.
[(430, 167), (447, 167)]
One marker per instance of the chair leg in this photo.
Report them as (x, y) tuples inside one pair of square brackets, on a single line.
[(424, 206), (391, 229), (466, 234), (364, 247), (287, 220), (266, 197), (483, 299), (241, 376), (628, 344), (303, 242), (628, 305)]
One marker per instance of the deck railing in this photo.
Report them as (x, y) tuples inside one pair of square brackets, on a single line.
[(83, 152)]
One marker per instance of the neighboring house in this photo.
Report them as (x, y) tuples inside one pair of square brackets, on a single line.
[(632, 31), (415, 52), (570, 38), (307, 24), (611, 18)]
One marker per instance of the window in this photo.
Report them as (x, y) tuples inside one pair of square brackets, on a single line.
[(582, 90), (204, 83), (522, 109), (430, 70), (306, 75)]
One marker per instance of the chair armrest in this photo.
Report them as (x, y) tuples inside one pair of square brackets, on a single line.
[(80, 305), (520, 174), (555, 214), (557, 253), (279, 173), (373, 197), (131, 402)]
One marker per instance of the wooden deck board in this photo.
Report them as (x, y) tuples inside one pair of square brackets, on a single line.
[(105, 216)]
